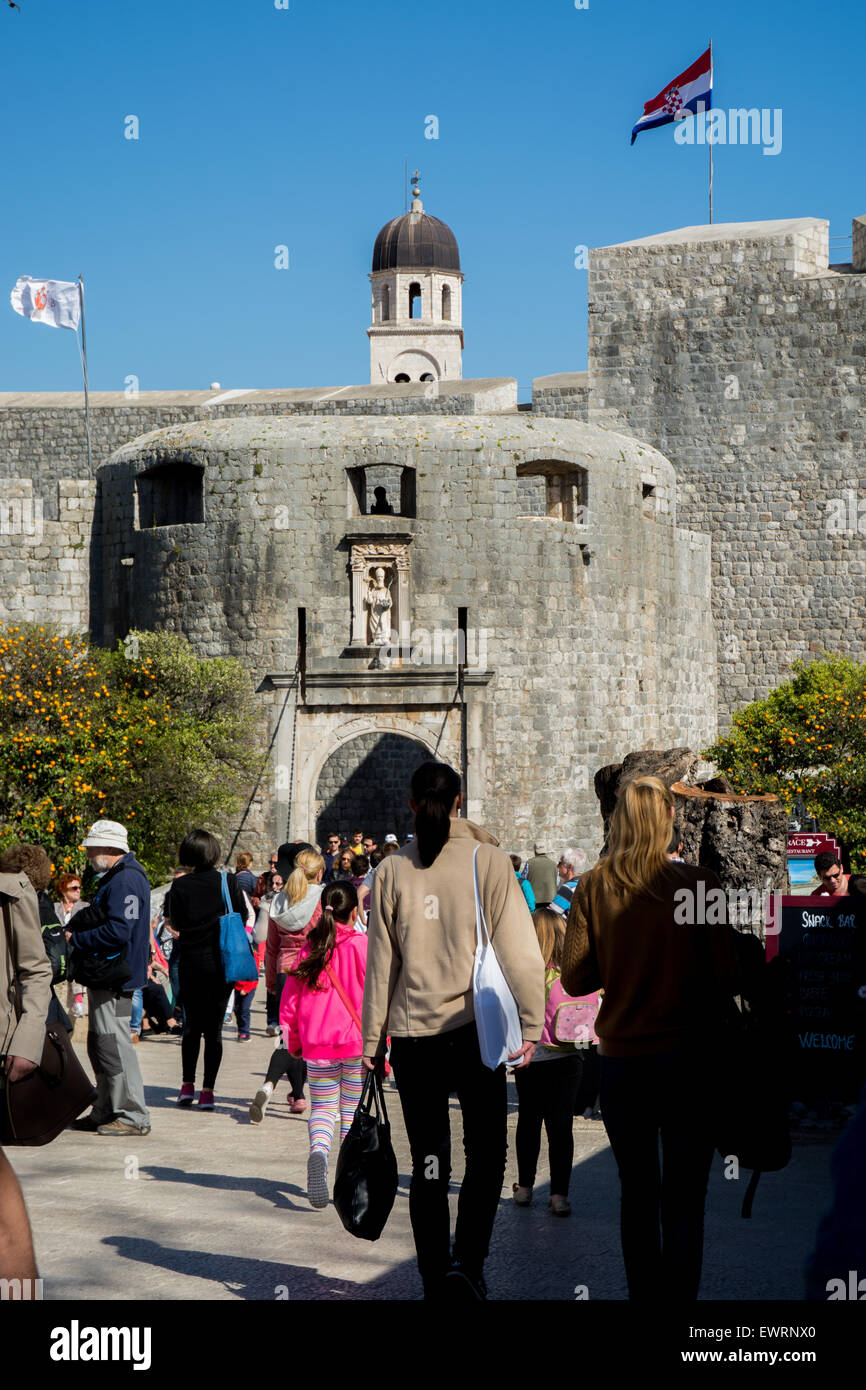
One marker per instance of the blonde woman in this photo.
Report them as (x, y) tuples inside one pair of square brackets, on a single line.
[(637, 926), (294, 912)]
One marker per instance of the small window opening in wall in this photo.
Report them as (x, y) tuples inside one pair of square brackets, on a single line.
[(427, 376), (414, 300), (565, 490), (446, 303), (381, 489), (170, 494), (386, 304), (647, 490), (401, 376)]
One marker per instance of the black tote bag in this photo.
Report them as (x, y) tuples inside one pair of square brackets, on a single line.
[(745, 1086), (366, 1181)]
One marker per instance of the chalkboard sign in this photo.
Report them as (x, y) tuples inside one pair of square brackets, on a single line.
[(820, 966)]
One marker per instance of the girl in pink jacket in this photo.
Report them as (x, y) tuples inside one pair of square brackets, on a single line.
[(320, 1016)]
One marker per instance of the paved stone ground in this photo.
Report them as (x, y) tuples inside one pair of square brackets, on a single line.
[(209, 1206)]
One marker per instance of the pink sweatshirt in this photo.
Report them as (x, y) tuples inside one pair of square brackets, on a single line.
[(316, 1022)]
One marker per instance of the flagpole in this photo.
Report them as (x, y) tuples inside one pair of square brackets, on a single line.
[(709, 142), (84, 370)]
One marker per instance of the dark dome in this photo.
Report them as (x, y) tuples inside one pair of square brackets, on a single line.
[(416, 240)]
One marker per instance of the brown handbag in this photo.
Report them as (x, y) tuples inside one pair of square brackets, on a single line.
[(37, 1108)]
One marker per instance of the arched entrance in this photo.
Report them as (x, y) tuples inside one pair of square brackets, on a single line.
[(364, 785)]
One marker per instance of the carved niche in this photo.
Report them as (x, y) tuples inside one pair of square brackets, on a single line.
[(380, 572)]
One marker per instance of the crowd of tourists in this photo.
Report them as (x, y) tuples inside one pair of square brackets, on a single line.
[(367, 954)]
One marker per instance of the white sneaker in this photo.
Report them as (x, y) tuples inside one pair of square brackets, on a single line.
[(78, 1009), (259, 1105), (273, 1030), (317, 1179)]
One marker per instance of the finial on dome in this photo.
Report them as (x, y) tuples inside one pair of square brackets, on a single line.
[(417, 205)]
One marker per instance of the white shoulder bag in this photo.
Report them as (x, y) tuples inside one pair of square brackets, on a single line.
[(496, 1015)]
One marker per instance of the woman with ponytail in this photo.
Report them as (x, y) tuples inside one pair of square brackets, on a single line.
[(650, 931), (421, 953), (320, 1015), (293, 913)]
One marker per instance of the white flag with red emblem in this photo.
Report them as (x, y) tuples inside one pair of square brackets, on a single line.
[(57, 302)]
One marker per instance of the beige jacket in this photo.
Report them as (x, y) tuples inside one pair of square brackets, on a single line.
[(421, 940), (24, 1037)]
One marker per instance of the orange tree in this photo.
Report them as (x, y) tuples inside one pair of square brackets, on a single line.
[(807, 739), (148, 735)]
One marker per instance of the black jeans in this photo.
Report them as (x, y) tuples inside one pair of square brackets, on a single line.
[(587, 1091), (662, 1215), (204, 1005), (546, 1092), (426, 1070)]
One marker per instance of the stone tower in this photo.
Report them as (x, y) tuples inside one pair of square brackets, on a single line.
[(416, 331)]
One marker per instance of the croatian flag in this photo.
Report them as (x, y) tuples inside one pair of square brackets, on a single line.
[(690, 92)]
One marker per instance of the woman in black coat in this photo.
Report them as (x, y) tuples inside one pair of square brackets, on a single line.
[(194, 906)]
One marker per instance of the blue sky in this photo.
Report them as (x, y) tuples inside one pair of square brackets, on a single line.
[(261, 127)]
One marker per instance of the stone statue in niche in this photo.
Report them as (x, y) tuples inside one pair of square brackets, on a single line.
[(377, 598)]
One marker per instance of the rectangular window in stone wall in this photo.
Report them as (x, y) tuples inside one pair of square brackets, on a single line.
[(170, 494), (553, 489)]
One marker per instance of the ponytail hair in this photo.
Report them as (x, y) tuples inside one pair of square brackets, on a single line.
[(435, 786), (305, 873), (338, 902)]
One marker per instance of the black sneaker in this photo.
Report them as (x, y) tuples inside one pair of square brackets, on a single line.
[(87, 1123), (463, 1287)]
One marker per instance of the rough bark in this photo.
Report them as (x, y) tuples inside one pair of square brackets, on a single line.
[(743, 839)]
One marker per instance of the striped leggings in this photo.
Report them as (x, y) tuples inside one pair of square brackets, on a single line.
[(335, 1089)]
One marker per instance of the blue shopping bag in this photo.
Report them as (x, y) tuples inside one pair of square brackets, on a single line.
[(239, 963)]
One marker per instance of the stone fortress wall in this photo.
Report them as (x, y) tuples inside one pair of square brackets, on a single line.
[(736, 351), (741, 354), (570, 622)]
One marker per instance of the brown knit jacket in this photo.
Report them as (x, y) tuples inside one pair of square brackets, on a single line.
[(663, 978)]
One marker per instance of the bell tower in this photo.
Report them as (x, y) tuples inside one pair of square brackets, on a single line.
[(416, 328)]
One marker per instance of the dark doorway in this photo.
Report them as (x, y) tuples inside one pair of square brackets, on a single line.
[(364, 785)]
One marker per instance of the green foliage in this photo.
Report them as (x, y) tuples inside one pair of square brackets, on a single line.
[(148, 735), (807, 738)]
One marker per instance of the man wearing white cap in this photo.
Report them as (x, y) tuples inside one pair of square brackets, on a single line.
[(117, 920)]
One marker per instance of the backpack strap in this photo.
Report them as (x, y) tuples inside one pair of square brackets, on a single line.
[(345, 998)]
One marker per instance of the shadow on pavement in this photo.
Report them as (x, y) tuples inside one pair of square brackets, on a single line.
[(266, 1188), (267, 1280)]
